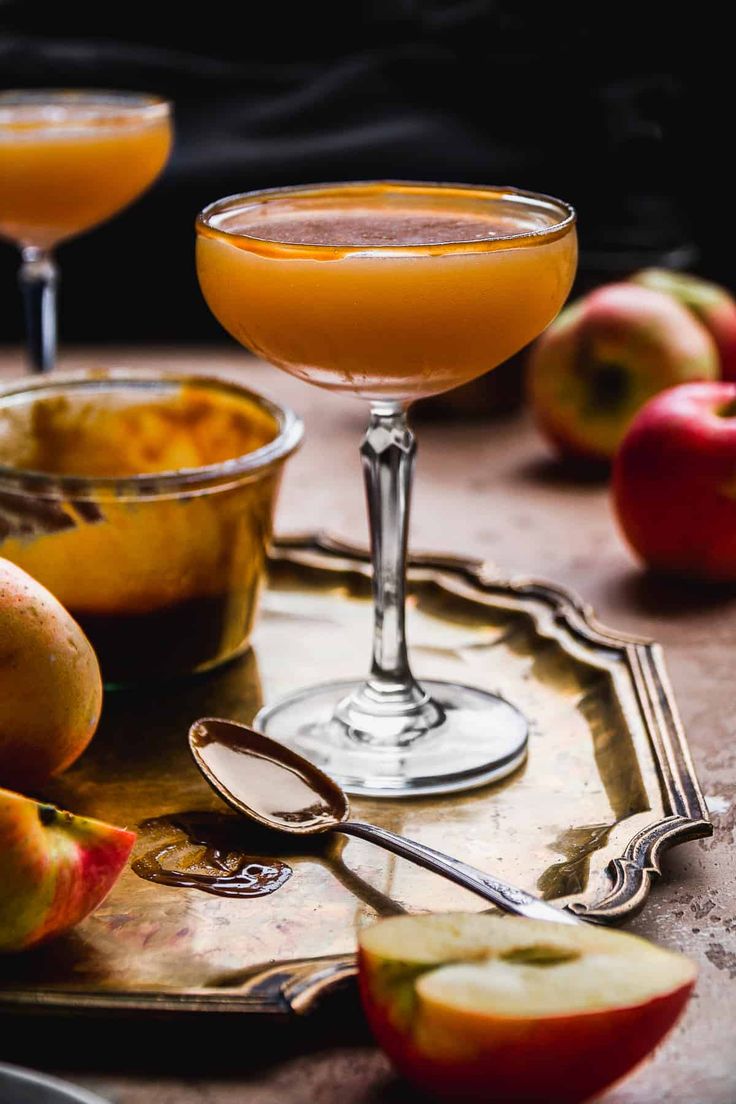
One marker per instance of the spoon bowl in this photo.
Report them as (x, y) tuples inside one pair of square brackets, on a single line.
[(265, 781), (272, 785)]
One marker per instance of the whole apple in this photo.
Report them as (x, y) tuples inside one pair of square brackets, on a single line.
[(604, 357), (476, 1007), (55, 868), (50, 686), (712, 304), (674, 481)]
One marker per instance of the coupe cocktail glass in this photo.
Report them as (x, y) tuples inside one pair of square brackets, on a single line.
[(68, 161), (390, 291)]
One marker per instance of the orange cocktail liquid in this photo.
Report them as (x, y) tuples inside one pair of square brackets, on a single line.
[(381, 294), (66, 167)]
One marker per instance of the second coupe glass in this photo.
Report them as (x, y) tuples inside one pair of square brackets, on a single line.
[(68, 161)]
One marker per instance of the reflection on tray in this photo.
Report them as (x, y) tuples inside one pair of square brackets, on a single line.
[(607, 779)]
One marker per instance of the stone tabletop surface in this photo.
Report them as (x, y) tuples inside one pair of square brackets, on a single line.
[(485, 488)]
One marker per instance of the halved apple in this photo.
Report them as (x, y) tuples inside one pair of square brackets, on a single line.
[(471, 1006), (55, 868)]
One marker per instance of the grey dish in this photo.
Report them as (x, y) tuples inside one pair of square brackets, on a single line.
[(24, 1086)]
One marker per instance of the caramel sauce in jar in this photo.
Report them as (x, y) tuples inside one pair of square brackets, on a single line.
[(144, 503)]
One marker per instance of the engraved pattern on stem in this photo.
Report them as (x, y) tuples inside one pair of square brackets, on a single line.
[(390, 708)]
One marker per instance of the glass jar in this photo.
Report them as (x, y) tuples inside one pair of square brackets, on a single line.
[(144, 502)]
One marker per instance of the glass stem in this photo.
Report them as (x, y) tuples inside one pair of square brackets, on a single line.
[(39, 279), (390, 693)]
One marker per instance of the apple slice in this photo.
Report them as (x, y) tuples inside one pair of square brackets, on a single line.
[(471, 1006), (55, 868)]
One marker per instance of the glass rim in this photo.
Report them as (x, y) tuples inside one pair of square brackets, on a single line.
[(204, 226), (289, 435), (150, 104)]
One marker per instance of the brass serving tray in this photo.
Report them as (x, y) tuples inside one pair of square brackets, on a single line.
[(608, 785)]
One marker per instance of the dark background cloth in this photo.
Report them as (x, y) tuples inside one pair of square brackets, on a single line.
[(607, 105)]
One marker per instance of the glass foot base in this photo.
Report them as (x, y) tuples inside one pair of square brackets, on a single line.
[(480, 738)]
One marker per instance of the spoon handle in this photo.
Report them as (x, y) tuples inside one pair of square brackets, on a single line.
[(505, 896)]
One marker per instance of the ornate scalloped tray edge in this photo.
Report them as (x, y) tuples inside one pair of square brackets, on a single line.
[(670, 811)]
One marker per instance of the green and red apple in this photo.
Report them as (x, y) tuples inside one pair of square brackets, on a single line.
[(55, 868), (479, 1007), (674, 481), (712, 304), (604, 357)]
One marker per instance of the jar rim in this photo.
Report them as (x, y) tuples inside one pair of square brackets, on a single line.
[(290, 431)]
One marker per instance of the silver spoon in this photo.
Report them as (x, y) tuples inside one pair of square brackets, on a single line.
[(279, 789)]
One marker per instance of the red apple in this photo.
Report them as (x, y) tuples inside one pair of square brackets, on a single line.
[(471, 1006), (674, 481), (55, 868), (711, 304), (604, 356)]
